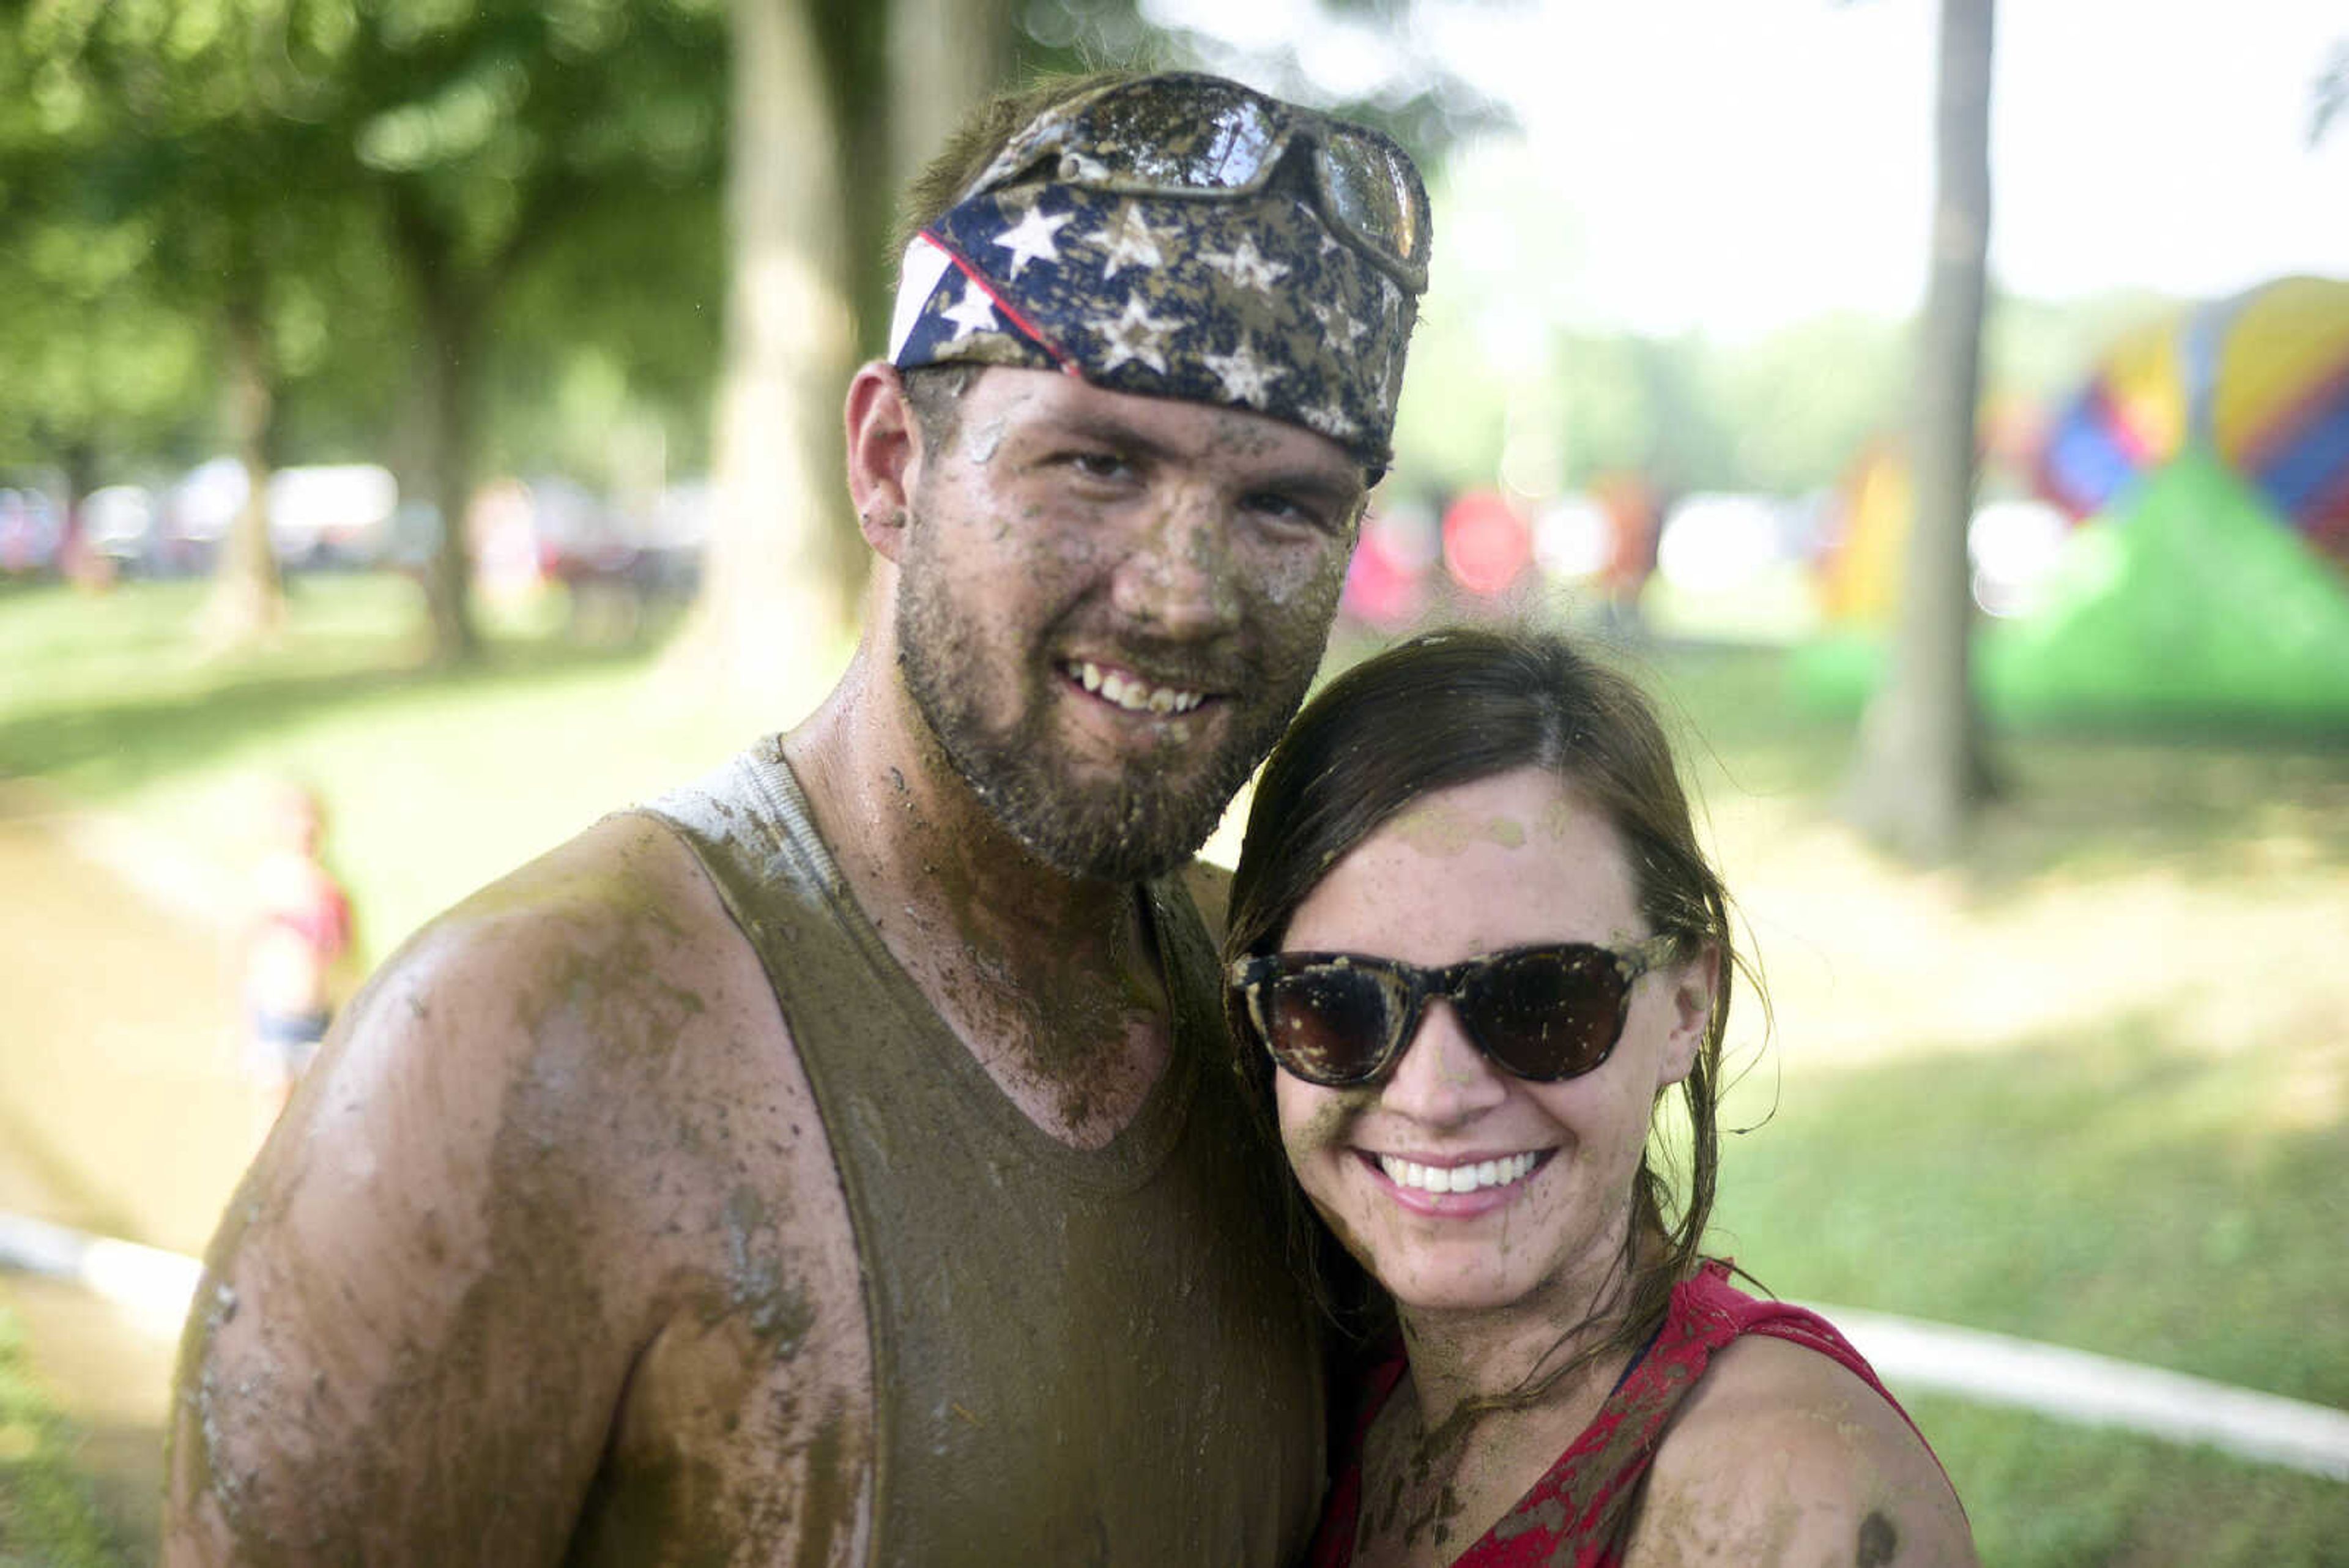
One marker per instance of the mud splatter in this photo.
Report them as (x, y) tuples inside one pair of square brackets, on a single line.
[(1879, 1542), (982, 443)]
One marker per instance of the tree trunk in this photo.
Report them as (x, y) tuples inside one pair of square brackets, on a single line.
[(82, 565), (943, 56), (248, 597), (776, 601), (1919, 771), (445, 386)]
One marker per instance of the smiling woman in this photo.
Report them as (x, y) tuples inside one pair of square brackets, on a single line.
[(1475, 944)]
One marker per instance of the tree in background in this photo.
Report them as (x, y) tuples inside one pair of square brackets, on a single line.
[(835, 103), (487, 133), (1921, 771), (274, 148), (102, 343)]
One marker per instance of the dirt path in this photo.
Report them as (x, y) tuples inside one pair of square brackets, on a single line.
[(121, 1111)]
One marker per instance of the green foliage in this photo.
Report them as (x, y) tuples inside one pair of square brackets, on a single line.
[(48, 1514), (322, 166)]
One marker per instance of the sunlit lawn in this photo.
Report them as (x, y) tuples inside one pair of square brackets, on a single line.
[(2088, 1088), (48, 1515)]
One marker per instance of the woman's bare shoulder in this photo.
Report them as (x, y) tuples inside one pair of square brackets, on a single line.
[(1782, 1455)]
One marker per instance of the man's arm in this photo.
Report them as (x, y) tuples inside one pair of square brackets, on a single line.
[(1782, 1457), (418, 1315)]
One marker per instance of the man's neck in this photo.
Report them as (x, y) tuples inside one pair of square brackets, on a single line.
[(1050, 980)]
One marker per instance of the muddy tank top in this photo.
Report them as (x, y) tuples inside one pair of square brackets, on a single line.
[(1078, 1357)]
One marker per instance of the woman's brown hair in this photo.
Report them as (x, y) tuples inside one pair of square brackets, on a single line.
[(1448, 708)]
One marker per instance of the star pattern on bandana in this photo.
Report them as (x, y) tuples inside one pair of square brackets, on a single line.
[(973, 313), (1031, 239), (1343, 329), (1137, 335), (1246, 266), (1245, 378), (1325, 243), (1129, 242), (1332, 420)]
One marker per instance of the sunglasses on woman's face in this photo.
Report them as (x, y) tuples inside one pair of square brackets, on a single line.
[(1341, 1020)]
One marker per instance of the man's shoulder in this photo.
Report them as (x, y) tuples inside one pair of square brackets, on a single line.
[(626, 879), (608, 949), (1783, 1454)]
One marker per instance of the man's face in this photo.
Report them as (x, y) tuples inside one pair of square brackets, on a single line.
[(1109, 606)]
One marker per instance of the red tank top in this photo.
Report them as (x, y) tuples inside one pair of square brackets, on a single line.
[(1580, 1512)]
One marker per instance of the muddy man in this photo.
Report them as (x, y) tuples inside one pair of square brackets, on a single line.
[(835, 1161)]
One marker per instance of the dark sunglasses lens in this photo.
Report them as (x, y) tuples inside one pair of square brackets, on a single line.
[(1327, 1026), (1547, 1015), (1371, 191), (1180, 135)]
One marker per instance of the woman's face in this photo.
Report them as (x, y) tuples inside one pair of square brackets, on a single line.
[(1507, 861)]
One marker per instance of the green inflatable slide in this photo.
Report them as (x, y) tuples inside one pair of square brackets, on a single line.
[(2189, 601)]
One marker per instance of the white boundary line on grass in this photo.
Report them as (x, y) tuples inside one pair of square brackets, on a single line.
[(151, 1285), (2097, 1390), (153, 1288)]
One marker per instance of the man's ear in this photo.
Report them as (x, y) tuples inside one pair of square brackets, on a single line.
[(1694, 984), (884, 453)]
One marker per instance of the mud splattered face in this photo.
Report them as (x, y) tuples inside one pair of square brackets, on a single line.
[(1109, 606), (1457, 1184)]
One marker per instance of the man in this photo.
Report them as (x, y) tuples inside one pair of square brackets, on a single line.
[(830, 1164)]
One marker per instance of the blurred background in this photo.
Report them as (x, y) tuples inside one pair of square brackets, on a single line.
[(418, 434)]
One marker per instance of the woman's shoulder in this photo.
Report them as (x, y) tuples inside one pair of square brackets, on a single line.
[(1782, 1453)]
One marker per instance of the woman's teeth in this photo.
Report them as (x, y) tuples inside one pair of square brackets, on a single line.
[(1132, 693), (1457, 1178)]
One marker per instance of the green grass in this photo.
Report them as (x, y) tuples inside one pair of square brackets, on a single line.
[(435, 780), (49, 1516), (2043, 1494), (2115, 1192), (2120, 1185)]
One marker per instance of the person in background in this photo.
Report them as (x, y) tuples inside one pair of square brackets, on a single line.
[(1474, 949), (296, 949), (828, 1164)]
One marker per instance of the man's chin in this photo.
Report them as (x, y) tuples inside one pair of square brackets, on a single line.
[(1110, 834)]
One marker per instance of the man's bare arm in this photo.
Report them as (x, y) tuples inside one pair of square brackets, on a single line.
[(417, 1317)]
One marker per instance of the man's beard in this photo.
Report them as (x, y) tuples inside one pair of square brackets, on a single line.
[(1139, 821)]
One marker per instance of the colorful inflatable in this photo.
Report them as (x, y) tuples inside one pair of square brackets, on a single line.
[(2262, 379)]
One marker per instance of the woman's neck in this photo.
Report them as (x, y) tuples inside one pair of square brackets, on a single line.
[(1537, 1351)]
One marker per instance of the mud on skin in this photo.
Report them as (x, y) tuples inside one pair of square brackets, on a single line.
[(530, 1252)]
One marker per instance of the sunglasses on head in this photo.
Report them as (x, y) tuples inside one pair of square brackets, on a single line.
[(1341, 1020), (1183, 134)]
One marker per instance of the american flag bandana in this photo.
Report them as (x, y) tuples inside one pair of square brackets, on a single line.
[(1249, 302)]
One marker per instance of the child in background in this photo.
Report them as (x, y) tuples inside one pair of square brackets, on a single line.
[(297, 940)]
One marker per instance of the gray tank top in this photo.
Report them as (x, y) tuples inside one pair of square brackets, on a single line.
[(1078, 1357)]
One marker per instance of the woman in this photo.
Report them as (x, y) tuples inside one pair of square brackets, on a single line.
[(1474, 946)]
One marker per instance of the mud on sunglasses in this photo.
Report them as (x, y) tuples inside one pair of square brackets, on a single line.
[(1343, 1019), (1184, 134)]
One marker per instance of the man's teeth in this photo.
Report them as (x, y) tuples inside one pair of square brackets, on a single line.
[(1133, 695), (1457, 1178)]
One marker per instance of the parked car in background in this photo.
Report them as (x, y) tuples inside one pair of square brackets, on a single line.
[(32, 531)]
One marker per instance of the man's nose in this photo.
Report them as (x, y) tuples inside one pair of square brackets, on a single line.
[(1179, 578)]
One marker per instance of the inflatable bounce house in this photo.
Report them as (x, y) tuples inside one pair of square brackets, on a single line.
[(2206, 464)]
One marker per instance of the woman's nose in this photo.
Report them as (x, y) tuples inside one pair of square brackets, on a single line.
[(1444, 1079)]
